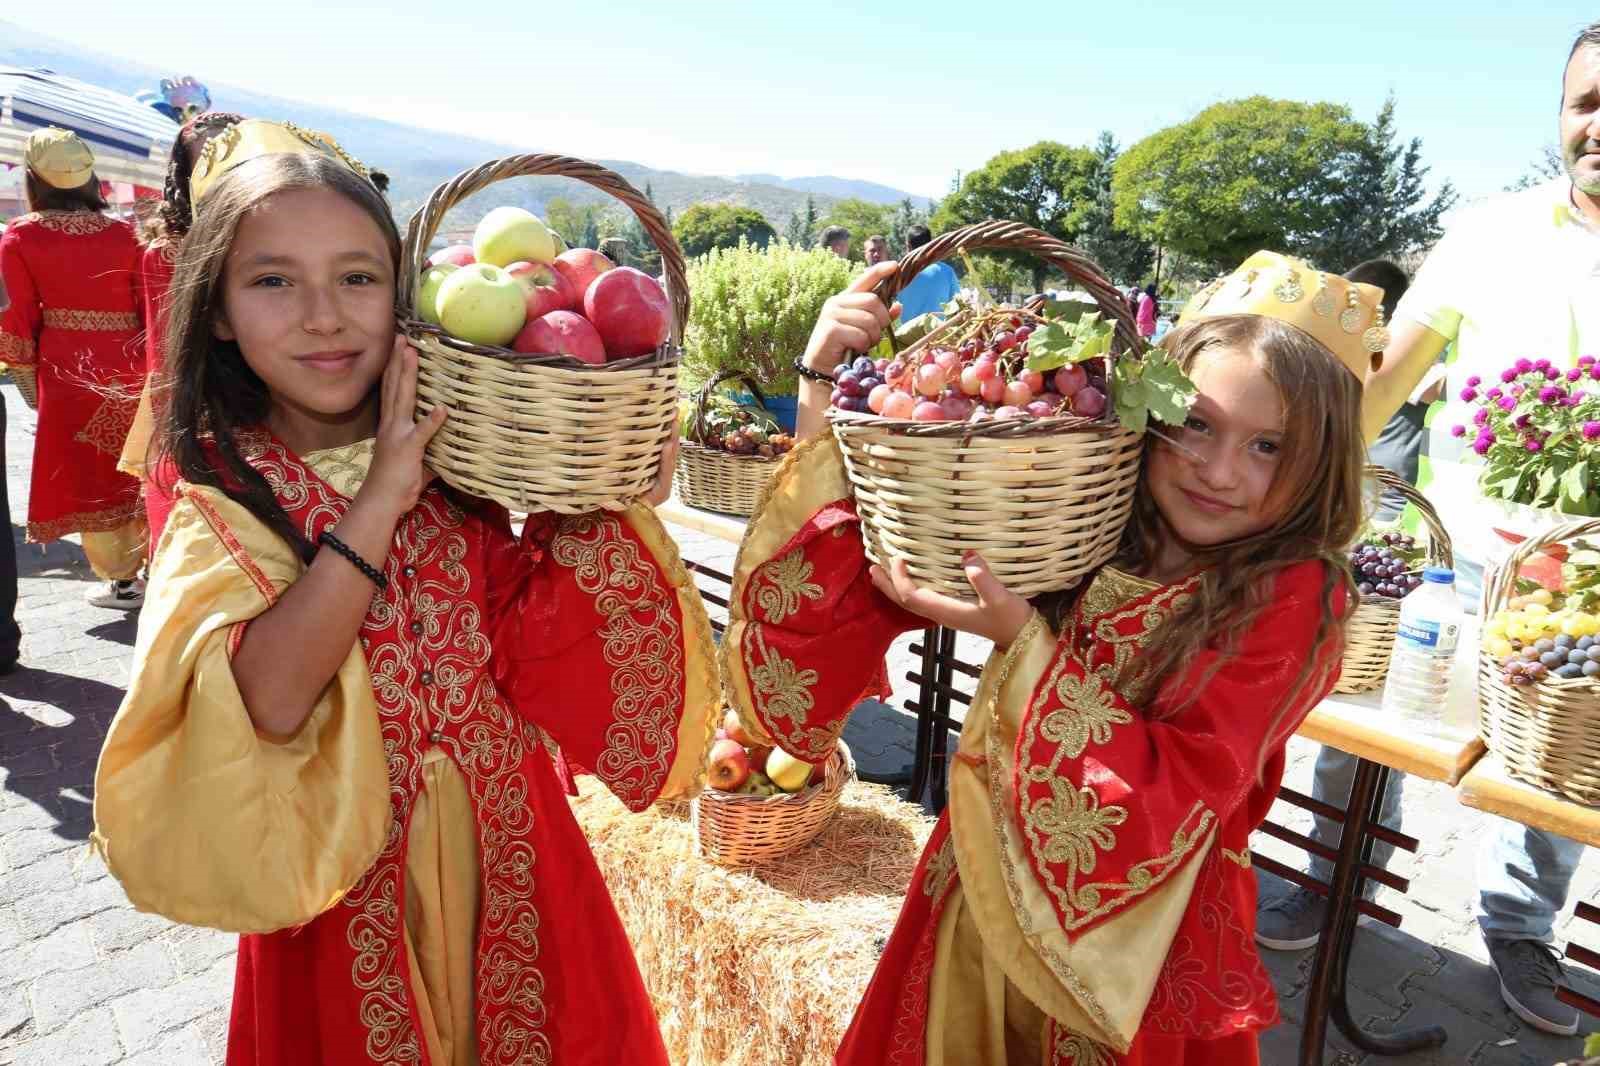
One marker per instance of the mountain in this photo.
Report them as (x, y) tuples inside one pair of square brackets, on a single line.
[(830, 187), (417, 160)]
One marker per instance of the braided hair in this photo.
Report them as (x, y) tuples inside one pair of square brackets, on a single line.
[(171, 220)]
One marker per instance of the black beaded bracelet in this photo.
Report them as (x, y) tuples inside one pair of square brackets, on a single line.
[(374, 575), (815, 375)]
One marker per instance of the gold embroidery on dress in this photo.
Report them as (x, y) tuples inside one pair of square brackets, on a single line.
[(1068, 827), (1068, 1048), (76, 223), (1239, 858), (107, 429), (1087, 714), (788, 580), (941, 867), (780, 689), (90, 321), (85, 522), (15, 349)]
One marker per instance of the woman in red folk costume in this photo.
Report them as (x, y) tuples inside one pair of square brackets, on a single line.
[(1087, 897), (160, 236), (349, 679), (70, 339)]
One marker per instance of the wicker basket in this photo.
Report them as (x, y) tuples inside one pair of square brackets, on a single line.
[(1548, 733), (1044, 500), (735, 830), (544, 432), (1370, 632), (715, 480)]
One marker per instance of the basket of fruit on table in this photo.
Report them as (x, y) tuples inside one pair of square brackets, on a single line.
[(730, 448), (1015, 432), (559, 368), (763, 802), (1387, 566), (1539, 662)]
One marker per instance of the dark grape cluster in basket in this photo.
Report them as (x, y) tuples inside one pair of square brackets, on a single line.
[(1562, 656), (754, 440), (1385, 565)]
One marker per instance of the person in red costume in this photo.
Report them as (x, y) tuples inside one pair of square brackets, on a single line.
[(1087, 896), (349, 679)]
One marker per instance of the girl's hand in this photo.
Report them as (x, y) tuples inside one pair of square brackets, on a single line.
[(662, 489), (998, 615), (398, 474), (852, 321)]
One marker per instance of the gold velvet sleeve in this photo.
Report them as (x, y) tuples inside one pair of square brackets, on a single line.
[(1099, 981), (201, 819)]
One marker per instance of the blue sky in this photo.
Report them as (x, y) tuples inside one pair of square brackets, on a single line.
[(904, 93)]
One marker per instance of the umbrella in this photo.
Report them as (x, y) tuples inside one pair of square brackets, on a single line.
[(130, 140)]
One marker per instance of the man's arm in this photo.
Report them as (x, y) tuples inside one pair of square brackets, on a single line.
[(1413, 348)]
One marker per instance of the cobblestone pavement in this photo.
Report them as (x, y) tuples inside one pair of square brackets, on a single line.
[(85, 980)]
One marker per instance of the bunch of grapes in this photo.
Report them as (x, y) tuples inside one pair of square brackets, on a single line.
[(753, 440), (983, 377), (1382, 566), (1562, 656)]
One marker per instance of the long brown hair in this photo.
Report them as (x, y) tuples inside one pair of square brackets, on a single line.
[(212, 392), (169, 219), (42, 196), (1317, 488)]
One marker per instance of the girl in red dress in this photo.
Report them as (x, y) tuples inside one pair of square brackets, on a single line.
[(70, 339), (1087, 897), (349, 680)]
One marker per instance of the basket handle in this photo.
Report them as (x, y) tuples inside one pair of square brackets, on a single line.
[(1497, 590), (1439, 549), (425, 223), (702, 398), (1017, 237)]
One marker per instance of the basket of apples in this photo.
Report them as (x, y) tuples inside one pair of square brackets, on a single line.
[(559, 368), (1387, 566), (763, 802), (730, 449), (1016, 432)]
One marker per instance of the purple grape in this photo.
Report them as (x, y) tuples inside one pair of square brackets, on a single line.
[(863, 366)]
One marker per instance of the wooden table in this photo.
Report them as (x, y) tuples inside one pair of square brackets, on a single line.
[(1489, 788)]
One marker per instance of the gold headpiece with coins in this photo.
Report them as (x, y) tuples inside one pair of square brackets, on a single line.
[(1346, 316), (257, 137), (59, 157)]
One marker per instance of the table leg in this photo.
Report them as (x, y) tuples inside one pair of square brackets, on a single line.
[(1326, 993), (922, 756)]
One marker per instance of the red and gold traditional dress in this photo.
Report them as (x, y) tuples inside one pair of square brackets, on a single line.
[(1087, 897), (70, 338), (156, 262), (406, 870)]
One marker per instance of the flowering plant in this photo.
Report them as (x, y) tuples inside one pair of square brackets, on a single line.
[(1538, 430)]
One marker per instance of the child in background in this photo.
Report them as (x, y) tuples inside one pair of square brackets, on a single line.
[(347, 681), (1087, 896)]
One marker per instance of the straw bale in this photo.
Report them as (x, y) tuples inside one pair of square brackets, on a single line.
[(764, 964)]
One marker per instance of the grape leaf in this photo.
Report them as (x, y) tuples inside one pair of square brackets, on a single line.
[(1128, 391), (1168, 391), (1056, 344), (1575, 485)]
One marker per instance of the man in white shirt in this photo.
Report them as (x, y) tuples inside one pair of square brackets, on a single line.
[(1517, 276)]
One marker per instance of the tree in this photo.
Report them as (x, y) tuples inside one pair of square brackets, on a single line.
[(1048, 186), (1548, 165), (862, 218), (906, 216), (1380, 204), (572, 221), (642, 251), (703, 227), (1125, 257)]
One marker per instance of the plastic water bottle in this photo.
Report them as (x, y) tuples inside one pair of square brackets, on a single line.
[(1424, 650)]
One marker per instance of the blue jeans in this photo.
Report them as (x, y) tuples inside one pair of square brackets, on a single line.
[(1523, 878), (1330, 783)]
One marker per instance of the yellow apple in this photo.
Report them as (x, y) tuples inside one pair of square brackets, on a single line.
[(481, 304), (508, 235), (786, 771)]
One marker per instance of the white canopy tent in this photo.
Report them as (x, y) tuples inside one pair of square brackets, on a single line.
[(130, 140)]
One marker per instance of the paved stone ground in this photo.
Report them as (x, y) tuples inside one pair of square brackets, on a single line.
[(85, 980)]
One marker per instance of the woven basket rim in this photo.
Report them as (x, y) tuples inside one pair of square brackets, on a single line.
[(707, 452), (847, 770), (989, 427)]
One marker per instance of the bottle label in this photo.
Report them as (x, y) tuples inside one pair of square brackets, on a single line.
[(1429, 636)]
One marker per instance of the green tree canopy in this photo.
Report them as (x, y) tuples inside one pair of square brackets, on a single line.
[(578, 224), (1049, 186), (1126, 257), (703, 227), (862, 218)]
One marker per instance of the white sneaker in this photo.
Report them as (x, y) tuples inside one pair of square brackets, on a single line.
[(119, 595)]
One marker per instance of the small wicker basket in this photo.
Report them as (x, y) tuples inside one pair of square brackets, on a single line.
[(1370, 632), (1547, 733), (544, 432), (735, 830), (1044, 500), (711, 478)]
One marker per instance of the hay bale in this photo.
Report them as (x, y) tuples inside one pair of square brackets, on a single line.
[(764, 964)]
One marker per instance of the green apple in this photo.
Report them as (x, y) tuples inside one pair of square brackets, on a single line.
[(482, 304), (508, 235), (428, 291), (786, 771)]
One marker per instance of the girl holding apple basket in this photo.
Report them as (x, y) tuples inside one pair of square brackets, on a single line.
[(1087, 896), (381, 821)]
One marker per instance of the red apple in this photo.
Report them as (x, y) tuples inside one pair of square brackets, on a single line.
[(580, 266), (547, 288), (459, 254), (758, 757), (561, 333), (630, 310), (735, 728), (729, 766)]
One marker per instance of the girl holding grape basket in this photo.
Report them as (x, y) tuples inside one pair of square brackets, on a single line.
[(1087, 896)]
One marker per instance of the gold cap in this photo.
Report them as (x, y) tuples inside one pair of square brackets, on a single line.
[(59, 157), (257, 137), (1346, 316)]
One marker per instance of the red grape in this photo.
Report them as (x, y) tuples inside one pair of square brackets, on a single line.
[(930, 380), (987, 366), (928, 411), (993, 390), (1009, 411), (1089, 402), (1070, 378), (971, 383), (1042, 408), (895, 371), (877, 397), (1017, 393), (948, 361), (1033, 379), (956, 407), (850, 383), (1004, 341), (898, 405)]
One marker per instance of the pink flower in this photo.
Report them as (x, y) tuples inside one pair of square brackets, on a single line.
[(1591, 430), (1572, 401), (1480, 416), (1524, 365), (1543, 364), (1532, 445), (1587, 360), (1518, 390), (1474, 381), (1594, 372), (1550, 394), (1551, 373), (1481, 446), (1468, 395), (1507, 404), (1461, 431), (1508, 376), (1574, 374), (1521, 422), (1494, 394)]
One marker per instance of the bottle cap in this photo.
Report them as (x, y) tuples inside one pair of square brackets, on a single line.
[(1439, 575)]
